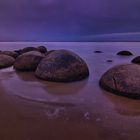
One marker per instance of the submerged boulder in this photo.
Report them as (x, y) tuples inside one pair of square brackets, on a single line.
[(10, 53), (125, 53), (122, 80), (42, 49), (6, 61), (98, 52), (136, 60), (28, 61), (62, 66)]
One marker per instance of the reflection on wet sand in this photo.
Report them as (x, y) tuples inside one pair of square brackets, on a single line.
[(26, 86), (123, 105), (53, 87)]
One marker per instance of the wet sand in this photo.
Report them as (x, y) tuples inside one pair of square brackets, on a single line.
[(32, 109)]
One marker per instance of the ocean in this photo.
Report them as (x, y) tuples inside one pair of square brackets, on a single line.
[(37, 109)]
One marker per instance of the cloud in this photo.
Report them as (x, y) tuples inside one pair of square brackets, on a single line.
[(38, 19)]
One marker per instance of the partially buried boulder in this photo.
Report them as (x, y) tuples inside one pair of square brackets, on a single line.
[(10, 53), (125, 53), (28, 49), (6, 61), (28, 61), (62, 66), (136, 60), (122, 80), (98, 52), (42, 49)]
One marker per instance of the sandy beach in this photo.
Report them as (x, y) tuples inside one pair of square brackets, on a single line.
[(33, 109)]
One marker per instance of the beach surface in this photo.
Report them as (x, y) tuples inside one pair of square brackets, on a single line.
[(33, 109)]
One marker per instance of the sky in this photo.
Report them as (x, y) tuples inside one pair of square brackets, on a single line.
[(69, 20)]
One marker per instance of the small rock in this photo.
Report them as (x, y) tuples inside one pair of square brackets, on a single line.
[(109, 60), (98, 52), (125, 53)]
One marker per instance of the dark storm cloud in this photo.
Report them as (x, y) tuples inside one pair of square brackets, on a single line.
[(44, 20)]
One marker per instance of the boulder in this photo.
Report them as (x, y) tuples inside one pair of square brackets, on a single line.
[(28, 61), (10, 53), (62, 66), (136, 60), (125, 53), (109, 60), (28, 49), (122, 80), (42, 49), (18, 51), (98, 52), (48, 52), (6, 61)]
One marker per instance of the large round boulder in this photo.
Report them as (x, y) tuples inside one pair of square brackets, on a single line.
[(10, 53), (28, 61), (136, 60), (122, 80), (62, 66), (6, 61), (125, 53)]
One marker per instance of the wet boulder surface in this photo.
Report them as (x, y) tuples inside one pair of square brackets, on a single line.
[(62, 66), (28, 61), (122, 80), (6, 61), (124, 53)]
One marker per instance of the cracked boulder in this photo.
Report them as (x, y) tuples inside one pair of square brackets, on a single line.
[(122, 80), (62, 66)]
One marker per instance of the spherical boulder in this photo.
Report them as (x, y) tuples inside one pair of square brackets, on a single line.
[(42, 49), (62, 66), (28, 61), (136, 60), (122, 80), (125, 53), (6, 61), (10, 53)]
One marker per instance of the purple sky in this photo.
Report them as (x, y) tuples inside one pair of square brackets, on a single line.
[(69, 20)]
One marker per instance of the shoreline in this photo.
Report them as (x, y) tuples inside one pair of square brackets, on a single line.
[(79, 110)]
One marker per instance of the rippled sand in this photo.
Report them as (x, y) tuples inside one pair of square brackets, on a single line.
[(32, 109)]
